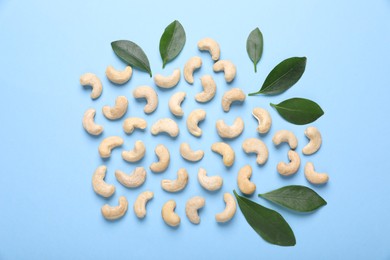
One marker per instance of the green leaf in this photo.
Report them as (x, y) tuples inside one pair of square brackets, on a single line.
[(254, 46), (283, 76), (295, 197), (132, 54), (172, 41), (269, 224), (299, 111)]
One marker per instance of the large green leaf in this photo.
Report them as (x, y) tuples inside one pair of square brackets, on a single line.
[(254, 46), (172, 41)]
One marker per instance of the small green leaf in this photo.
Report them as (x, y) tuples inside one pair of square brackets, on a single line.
[(254, 46), (132, 54), (283, 76), (269, 224), (299, 111), (295, 197), (172, 41)]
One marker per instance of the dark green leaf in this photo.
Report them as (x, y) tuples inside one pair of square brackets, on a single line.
[(269, 224), (172, 41), (283, 76), (254, 46), (299, 111), (295, 197), (132, 54)]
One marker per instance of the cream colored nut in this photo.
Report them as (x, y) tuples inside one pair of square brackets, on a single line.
[(210, 45), (132, 123), (118, 110), (192, 207), (115, 212), (292, 167), (244, 184), (90, 79), (230, 96), (89, 123), (229, 211), (175, 103), (314, 177), (211, 183), (167, 81), (191, 65), (99, 185), (177, 184), (163, 159), (193, 120), (165, 125), (226, 151), (150, 95), (168, 214), (190, 155), (227, 67), (264, 119), (254, 145), (136, 154), (108, 144), (117, 76), (315, 140), (227, 131), (209, 89), (133, 180), (140, 203), (285, 136)]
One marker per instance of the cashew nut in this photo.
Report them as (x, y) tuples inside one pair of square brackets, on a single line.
[(315, 140), (254, 145), (264, 119), (314, 177), (117, 76), (89, 123), (167, 81), (191, 65), (285, 136), (229, 211), (177, 184), (140, 203), (163, 159), (227, 67), (165, 125), (108, 144), (99, 185), (209, 89), (208, 44), (168, 214), (244, 184), (118, 110), (193, 120), (132, 123), (190, 155), (136, 154), (90, 79), (292, 167), (226, 151), (226, 131), (133, 180), (115, 212), (211, 183), (230, 96), (192, 207), (150, 95), (175, 103)]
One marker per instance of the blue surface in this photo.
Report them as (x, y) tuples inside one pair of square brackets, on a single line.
[(48, 209)]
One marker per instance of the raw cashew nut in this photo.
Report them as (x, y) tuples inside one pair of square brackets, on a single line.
[(315, 140), (314, 177), (132, 123), (117, 76), (211, 183), (192, 207), (167, 81), (175, 103), (209, 89), (90, 79), (108, 144), (193, 120), (99, 185), (244, 184), (133, 180), (229, 211), (165, 125), (254, 145), (136, 154), (191, 65), (163, 159), (150, 95), (190, 155), (115, 212), (264, 119), (226, 151), (140, 203), (208, 44), (292, 167), (227, 67), (285, 136), (226, 131), (118, 110), (89, 123), (230, 96), (178, 184), (168, 214)]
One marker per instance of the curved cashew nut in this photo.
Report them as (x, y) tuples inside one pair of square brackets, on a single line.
[(191, 65), (229, 211), (150, 95), (254, 145), (89, 123), (314, 177), (226, 131), (140, 203), (132, 123), (315, 140), (168, 214), (192, 207), (208, 44), (167, 81), (175, 103), (133, 180), (288, 169), (108, 144), (99, 185), (117, 76), (115, 212), (177, 184), (136, 154), (285, 136), (118, 110), (209, 89), (190, 155), (227, 67), (193, 120), (226, 151), (163, 159), (211, 183), (90, 79), (244, 184), (165, 125), (230, 96), (264, 119)]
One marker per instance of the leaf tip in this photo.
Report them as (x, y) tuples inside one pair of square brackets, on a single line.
[(272, 105)]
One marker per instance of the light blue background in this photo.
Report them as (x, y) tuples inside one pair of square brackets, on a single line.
[(48, 209)]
